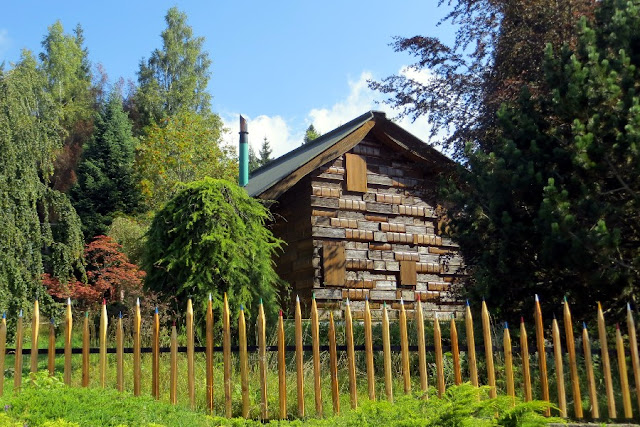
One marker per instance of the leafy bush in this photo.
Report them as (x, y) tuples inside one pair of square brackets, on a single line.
[(130, 234), (47, 401), (211, 238), (110, 275)]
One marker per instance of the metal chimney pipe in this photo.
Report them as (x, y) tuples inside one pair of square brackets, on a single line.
[(243, 173)]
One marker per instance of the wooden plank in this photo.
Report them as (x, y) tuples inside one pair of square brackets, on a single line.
[(408, 273), (334, 264), (356, 167)]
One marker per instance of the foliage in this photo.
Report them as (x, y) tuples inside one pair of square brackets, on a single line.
[(39, 229), (110, 276), (184, 148), (106, 183), (64, 62), (552, 207), (130, 235), (310, 134), (497, 49), (253, 160), (211, 238), (47, 401), (175, 78), (264, 155)]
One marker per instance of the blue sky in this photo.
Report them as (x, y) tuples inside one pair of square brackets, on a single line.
[(283, 64)]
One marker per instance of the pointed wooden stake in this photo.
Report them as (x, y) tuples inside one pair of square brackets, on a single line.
[(51, 353), (173, 387), (351, 357), (226, 356), (508, 364), (437, 339), (524, 353), (404, 348), (333, 362), (35, 333), (68, 326), (606, 364), (471, 347), (3, 349), (624, 379), (488, 350), (209, 354), (103, 345), (191, 381), (573, 364), (85, 350), (455, 352), (262, 361), (120, 355), (557, 352), (17, 373), (542, 355), (282, 368), (315, 342), (155, 356), (244, 362), (137, 321), (299, 360), (368, 345), (593, 396), (386, 348), (633, 345), (422, 350)]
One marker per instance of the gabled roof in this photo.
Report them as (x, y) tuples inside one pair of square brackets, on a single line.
[(277, 176)]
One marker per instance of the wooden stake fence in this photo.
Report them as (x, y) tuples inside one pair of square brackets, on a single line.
[(387, 371)]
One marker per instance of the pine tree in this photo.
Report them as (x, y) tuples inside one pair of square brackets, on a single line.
[(65, 63), (254, 162), (175, 78), (552, 207), (310, 134), (106, 183), (264, 153)]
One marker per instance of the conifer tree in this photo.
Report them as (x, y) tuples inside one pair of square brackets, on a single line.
[(265, 152), (39, 229), (65, 63), (310, 134), (174, 79), (552, 207), (106, 183)]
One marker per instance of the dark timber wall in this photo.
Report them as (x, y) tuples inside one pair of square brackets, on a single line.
[(365, 226)]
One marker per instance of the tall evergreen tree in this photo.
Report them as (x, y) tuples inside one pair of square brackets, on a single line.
[(65, 63), (552, 207), (106, 183), (264, 155), (254, 162), (39, 229), (310, 134), (175, 78)]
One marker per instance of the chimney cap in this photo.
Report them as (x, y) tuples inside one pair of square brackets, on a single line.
[(243, 125)]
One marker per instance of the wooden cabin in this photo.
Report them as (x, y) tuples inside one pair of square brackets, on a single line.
[(358, 211)]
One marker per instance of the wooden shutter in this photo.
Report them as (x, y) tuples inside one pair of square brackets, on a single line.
[(356, 168), (408, 273), (334, 264)]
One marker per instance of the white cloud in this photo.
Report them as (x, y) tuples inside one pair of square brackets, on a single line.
[(360, 99), (5, 41), (274, 128)]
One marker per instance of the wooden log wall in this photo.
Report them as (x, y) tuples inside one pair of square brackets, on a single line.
[(366, 226)]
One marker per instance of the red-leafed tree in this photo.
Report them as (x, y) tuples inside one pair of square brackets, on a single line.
[(110, 275)]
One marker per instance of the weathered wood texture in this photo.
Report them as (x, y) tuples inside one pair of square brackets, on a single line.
[(365, 225)]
